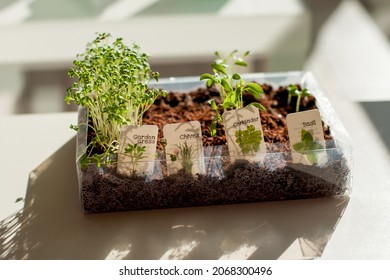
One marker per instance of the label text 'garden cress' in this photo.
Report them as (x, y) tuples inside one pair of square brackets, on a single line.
[(145, 139)]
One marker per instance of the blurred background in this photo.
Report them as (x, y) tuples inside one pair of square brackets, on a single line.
[(40, 39)]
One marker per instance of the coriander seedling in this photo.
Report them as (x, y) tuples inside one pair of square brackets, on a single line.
[(231, 86)]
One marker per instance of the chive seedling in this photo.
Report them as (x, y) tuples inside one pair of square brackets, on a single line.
[(113, 84), (184, 156), (231, 86)]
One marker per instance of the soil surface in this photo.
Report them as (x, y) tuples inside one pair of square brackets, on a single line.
[(177, 107), (227, 181)]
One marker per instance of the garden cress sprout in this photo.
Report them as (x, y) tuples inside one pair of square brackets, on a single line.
[(112, 83)]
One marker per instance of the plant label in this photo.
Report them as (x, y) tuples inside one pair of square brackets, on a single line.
[(244, 133), (137, 149), (184, 147), (306, 137)]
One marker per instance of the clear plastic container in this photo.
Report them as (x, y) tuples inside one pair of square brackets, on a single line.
[(226, 179)]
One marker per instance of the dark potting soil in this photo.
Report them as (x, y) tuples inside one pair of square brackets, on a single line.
[(226, 182), (177, 107)]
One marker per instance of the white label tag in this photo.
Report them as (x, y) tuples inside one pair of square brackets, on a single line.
[(306, 137), (244, 133), (137, 149), (184, 149)]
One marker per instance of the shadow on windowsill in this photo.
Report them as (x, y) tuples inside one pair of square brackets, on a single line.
[(52, 225)]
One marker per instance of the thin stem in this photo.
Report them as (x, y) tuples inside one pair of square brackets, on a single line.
[(298, 103)]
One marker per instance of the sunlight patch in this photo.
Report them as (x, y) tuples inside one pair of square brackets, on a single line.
[(243, 252), (179, 252), (118, 254)]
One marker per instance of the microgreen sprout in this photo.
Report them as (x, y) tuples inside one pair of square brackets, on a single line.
[(294, 91), (231, 86), (135, 152), (113, 84), (184, 156), (307, 146), (249, 140)]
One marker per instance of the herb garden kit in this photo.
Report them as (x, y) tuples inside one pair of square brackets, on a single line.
[(220, 138)]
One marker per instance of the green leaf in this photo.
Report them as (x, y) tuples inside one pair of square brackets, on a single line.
[(249, 140), (84, 162), (226, 85), (312, 157), (306, 136), (234, 97), (240, 63), (315, 146), (238, 91), (74, 127), (213, 128), (228, 104), (71, 73), (236, 77), (206, 76), (255, 86), (299, 147), (219, 68), (259, 106), (308, 147), (292, 90), (232, 53), (213, 104), (305, 92), (254, 89), (210, 83), (155, 76)]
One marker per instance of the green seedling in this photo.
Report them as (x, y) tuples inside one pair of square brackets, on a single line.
[(135, 152), (294, 91), (307, 146), (112, 82), (231, 86), (249, 140), (184, 157)]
